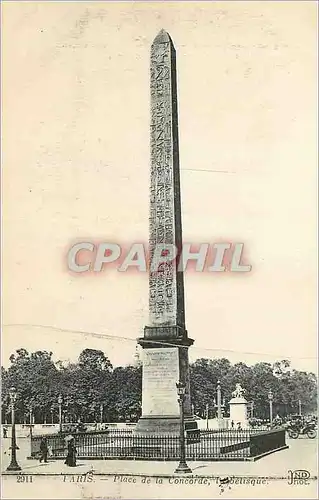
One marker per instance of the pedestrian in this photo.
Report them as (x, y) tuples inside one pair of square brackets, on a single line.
[(44, 450), (232, 424), (239, 426), (71, 456), (5, 432)]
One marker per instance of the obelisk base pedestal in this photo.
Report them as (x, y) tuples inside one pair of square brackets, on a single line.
[(163, 367), (163, 425)]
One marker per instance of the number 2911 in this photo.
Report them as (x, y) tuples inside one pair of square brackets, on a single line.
[(22, 478)]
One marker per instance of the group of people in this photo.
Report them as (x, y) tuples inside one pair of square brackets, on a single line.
[(46, 450), (282, 421), (238, 425), (301, 421)]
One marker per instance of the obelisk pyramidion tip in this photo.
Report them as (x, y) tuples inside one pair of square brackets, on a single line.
[(162, 37)]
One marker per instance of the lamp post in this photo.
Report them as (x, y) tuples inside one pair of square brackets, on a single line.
[(270, 397), (299, 405), (101, 413), (219, 404), (30, 419), (223, 408), (60, 412), (182, 466), (207, 415), (14, 466), (252, 409), (215, 406)]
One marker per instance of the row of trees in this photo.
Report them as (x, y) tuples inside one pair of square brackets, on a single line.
[(91, 387), (287, 385)]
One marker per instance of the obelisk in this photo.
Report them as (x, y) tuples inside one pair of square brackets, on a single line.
[(165, 342)]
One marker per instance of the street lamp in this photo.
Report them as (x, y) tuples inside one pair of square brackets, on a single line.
[(14, 466), (219, 404), (60, 399), (182, 467), (223, 409), (252, 406), (215, 406), (30, 419), (101, 413), (299, 404), (270, 397)]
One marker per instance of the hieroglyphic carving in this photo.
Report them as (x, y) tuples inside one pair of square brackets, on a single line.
[(162, 283)]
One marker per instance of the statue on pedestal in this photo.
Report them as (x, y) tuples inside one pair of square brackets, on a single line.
[(239, 392), (238, 407)]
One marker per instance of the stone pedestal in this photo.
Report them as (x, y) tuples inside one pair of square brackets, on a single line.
[(238, 411), (163, 367)]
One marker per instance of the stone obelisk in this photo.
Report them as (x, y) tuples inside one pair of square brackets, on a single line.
[(165, 342)]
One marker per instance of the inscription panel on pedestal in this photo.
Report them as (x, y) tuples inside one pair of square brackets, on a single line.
[(160, 374)]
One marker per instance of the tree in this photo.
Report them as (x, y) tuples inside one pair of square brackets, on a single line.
[(202, 384), (125, 393), (4, 395), (257, 380), (92, 359), (281, 368), (91, 382), (85, 385), (32, 375)]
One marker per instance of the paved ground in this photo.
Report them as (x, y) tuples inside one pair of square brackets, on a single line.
[(142, 479)]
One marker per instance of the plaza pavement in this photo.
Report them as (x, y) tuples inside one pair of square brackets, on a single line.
[(129, 479)]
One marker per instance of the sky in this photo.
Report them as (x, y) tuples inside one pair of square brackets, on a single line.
[(76, 116)]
